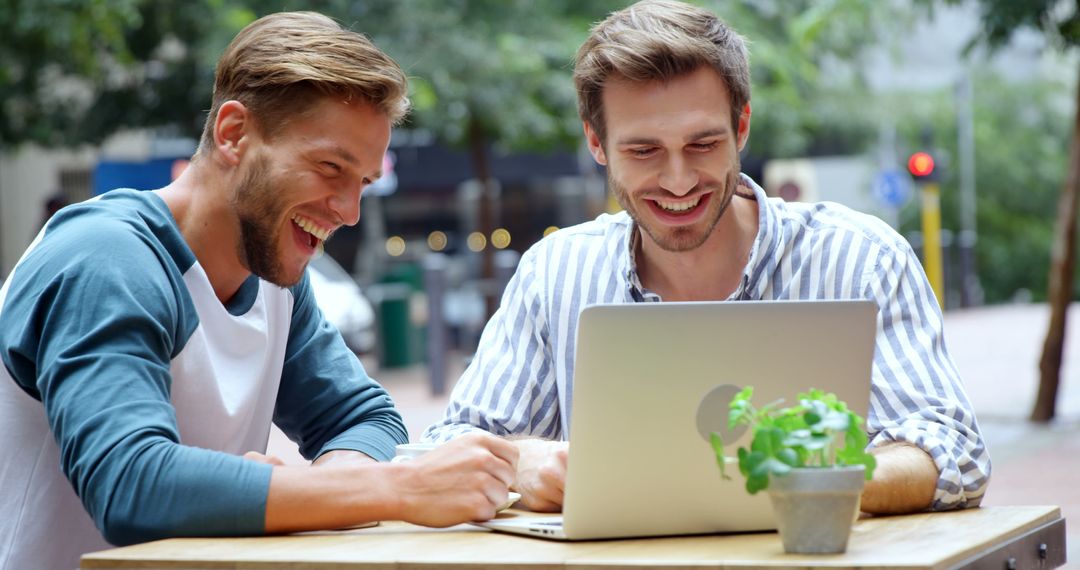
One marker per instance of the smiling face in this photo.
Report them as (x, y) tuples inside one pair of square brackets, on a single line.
[(300, 186), (671, 154)]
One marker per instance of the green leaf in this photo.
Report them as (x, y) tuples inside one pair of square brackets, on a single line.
[(789, 457), (718, 449), (756, 483)]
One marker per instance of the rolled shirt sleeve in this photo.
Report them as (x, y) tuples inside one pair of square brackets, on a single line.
[(917, 396)]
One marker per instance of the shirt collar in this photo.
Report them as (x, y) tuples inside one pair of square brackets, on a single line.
[(765, 253), (763, 257)]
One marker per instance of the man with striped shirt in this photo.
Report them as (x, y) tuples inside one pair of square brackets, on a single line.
[(664, 95)]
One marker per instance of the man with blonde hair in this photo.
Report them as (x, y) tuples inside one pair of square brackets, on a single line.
[(664, 95), (148, 339)]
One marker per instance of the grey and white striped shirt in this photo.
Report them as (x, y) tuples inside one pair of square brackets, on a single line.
[(521, 378)]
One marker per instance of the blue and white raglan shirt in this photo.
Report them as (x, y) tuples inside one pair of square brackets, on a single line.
[(521, 380), (128, 390)]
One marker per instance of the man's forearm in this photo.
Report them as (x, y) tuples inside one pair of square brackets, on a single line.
[(329, 496), (904, 482)]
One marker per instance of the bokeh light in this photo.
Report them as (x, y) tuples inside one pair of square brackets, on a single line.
[(476, 241), (500, 238), (437, 241), (395, 246)]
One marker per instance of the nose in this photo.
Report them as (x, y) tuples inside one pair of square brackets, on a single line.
[(677, 175), (346, 205)]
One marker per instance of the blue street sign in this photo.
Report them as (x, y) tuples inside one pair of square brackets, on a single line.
[(891, 188)]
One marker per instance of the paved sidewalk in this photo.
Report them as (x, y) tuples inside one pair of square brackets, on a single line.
[(996, 350)]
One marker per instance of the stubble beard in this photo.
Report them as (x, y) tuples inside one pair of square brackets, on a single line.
[(258, 207), (682, 238)]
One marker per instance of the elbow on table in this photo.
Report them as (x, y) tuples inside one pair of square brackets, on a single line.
[(124, 529)]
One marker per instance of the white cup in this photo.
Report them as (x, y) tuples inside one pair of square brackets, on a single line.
[(407, 451)]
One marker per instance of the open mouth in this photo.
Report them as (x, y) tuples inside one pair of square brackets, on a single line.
[(678, 208), (680, 212), (310, 232)]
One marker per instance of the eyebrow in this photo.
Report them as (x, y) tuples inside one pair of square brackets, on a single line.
[(347, 156), (718, 131), (343, 154)]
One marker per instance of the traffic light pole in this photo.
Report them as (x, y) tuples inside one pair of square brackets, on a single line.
[(931, 230)]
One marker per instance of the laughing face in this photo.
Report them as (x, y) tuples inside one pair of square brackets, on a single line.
[(299, 187), (672, 154)]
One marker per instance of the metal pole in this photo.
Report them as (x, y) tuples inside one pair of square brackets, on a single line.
[(931, 230), (970, 288), (435, 269)]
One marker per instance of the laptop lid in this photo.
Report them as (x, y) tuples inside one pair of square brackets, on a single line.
[(652, 380)]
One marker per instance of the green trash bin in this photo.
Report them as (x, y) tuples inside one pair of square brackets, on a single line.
[(398, 320)]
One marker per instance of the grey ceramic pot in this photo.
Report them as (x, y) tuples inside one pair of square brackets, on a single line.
[(815, 507)]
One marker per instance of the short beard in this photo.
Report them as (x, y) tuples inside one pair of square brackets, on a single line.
[(257, 205), (682, 239)]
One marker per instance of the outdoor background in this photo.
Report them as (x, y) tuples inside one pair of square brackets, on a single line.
[(100, 94)]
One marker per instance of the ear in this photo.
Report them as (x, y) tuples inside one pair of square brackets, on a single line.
[(596, 146), (744, 126), (231, 128)]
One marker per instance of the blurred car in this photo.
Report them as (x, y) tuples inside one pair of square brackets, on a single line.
[(342, 302)]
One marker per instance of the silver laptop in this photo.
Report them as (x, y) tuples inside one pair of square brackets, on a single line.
[(653, 380)]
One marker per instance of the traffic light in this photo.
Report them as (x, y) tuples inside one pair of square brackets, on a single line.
[(921, 166)]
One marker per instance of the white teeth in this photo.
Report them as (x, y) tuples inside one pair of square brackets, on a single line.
[(310, 227), (679, 206)]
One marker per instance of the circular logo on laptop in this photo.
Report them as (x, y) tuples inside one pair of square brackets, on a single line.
[(712, 414)]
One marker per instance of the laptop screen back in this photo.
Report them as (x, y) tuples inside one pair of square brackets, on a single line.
[(651, 380)]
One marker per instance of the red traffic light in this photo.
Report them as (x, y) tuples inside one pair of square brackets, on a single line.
[(920, 165)]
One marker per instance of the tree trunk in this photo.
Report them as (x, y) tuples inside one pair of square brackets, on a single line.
[(481, 164), (1062, 262)]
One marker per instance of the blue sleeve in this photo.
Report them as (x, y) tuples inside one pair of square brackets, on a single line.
[(326, 400), (92, 319)]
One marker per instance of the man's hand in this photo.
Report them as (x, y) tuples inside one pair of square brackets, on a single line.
[(904, 481), (463, 480), (541, 473)]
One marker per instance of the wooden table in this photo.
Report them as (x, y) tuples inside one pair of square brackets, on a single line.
[(976, 538)]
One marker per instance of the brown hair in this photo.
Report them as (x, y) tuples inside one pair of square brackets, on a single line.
[(280, 64), (658, 40)]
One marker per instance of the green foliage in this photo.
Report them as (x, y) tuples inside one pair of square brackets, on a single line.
[(74, 72), (1021, 133), (1034, 166), (1058, 20), (490, 70), (804, 435), (808, 97), (500, 69)]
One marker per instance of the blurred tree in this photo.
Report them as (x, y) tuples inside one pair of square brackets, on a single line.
[(1059, 21), (809, 97), (76, 72), (1020, 131)]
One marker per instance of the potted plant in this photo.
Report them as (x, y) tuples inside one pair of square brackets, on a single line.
[(814, 484)]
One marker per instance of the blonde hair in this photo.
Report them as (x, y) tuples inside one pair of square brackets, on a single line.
[(280, 64), (658, 40)]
